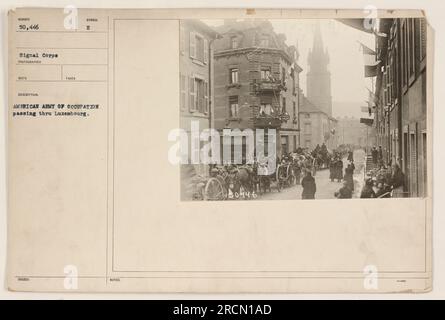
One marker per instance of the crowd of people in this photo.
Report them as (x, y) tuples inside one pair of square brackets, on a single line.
[(384, 182), (381, 182), (322, 158), (305, 164)]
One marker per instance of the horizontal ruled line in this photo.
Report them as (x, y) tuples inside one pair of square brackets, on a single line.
[(60, 31), (49, 48), (61, 64), (221, 277), (61, 80)]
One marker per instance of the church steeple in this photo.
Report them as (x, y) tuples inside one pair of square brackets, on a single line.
[(319, 77)]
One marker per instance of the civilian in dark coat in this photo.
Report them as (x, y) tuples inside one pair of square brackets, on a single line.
[(339, 170), (345, 192), (367, 191), (309, 186), (350, 156), (397, 176), (332, 169), (349, 178)]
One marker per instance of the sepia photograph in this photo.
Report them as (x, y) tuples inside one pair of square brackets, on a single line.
[(282, 109), (145, 147)]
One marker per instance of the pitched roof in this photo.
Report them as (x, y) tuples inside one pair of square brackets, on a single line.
[(249, 32), (308, 107)]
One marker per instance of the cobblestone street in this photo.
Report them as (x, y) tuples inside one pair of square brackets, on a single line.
[(325, 187)]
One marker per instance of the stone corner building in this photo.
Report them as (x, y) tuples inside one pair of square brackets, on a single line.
[(256, 82)]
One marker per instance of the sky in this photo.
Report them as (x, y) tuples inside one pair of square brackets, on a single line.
[(348, 83)]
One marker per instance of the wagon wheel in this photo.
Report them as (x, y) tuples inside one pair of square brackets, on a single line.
[(290, 175), (277, 177), (214, 190), (260, 185)]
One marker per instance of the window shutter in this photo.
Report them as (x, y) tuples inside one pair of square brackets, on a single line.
[(192, 45), (183, 88), (206, 51), (206, 97), (422, 38), (192, 106)]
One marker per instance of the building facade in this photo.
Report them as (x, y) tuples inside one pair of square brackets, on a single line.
[(196, 94), (352, 132), (317, 127), (400, 115), (256, 82)]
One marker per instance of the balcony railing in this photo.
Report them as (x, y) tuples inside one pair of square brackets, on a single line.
[(267, 121), (269, 85)]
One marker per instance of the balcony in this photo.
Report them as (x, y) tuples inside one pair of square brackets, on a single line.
[(268, 86), (267, 121)]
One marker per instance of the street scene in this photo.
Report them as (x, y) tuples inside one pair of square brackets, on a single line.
[(337, 106), (327, 189)]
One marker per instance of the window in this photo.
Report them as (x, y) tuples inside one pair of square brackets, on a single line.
[(192, 94), (234, 42), (422, 38), (283, 75), (234, 75), (199, 41), (265, 73), (294, 110), (413, 164), (198, 92), (199, 47), (284, 144), (396, 70), (266, 109), (412, 45), (403, 53), (233, 107), (202, 95), (307, 128), (385, 88), (283, 106)]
